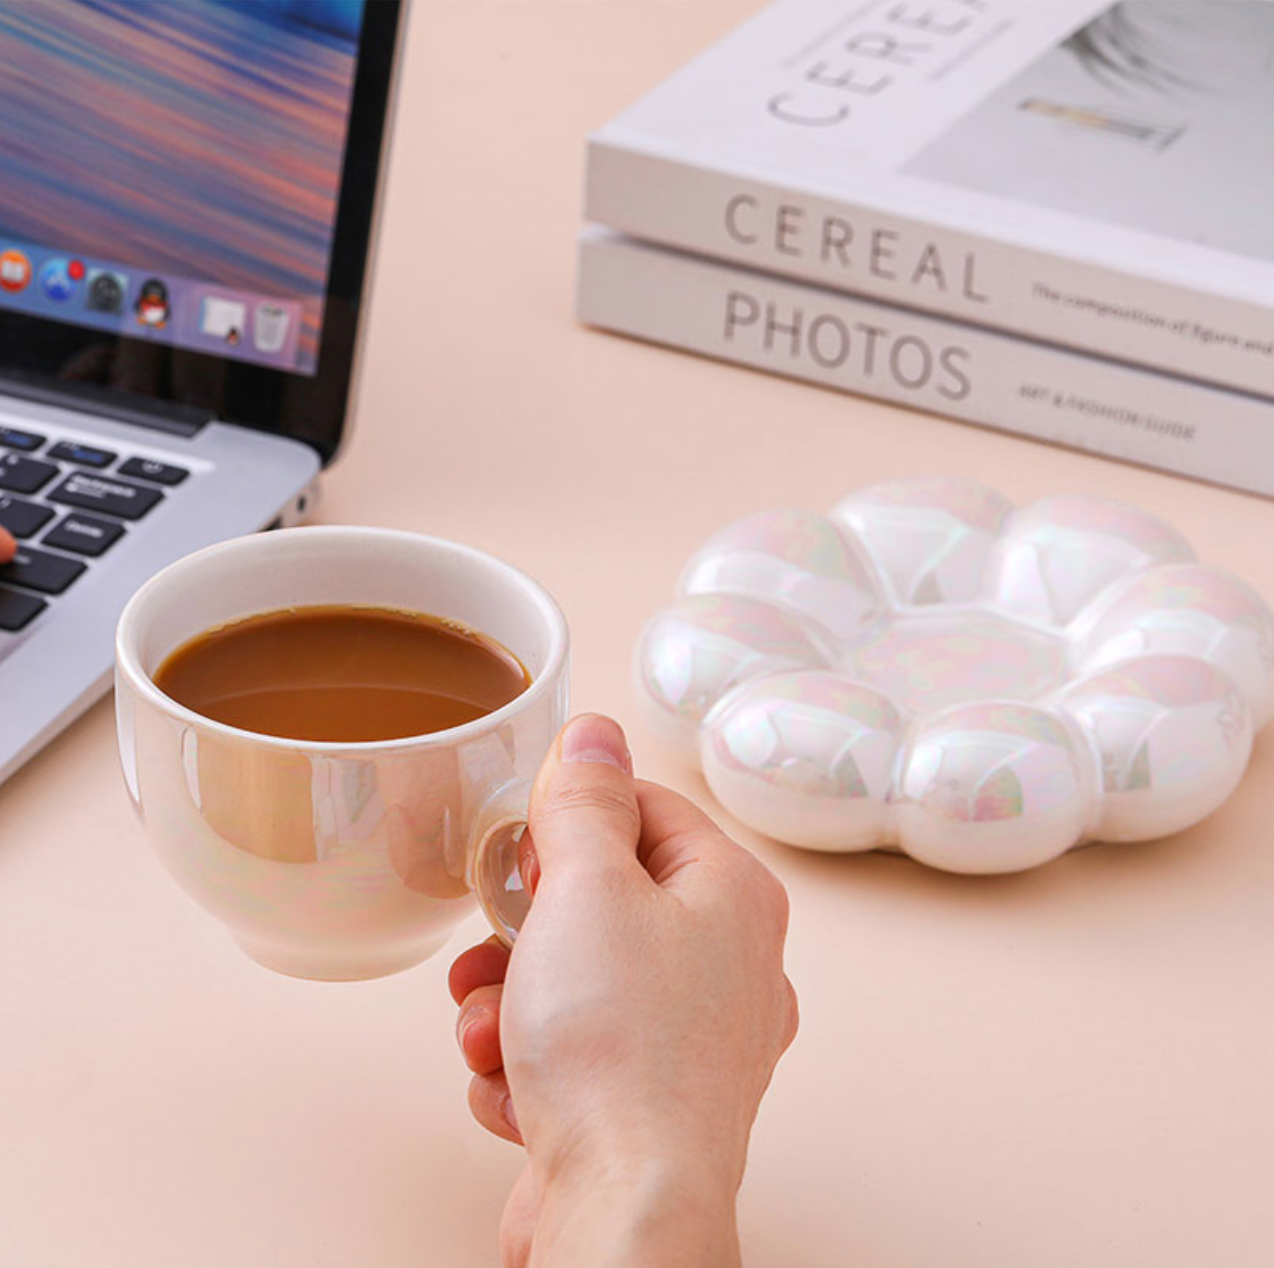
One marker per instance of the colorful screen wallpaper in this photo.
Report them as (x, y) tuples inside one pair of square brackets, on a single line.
[(170, 169)]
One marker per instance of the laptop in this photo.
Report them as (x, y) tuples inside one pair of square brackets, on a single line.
[(187, 199)]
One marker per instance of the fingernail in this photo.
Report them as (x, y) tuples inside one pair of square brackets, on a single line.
[(509, 1116), (593, 738), (529, 870), (465, 1023)]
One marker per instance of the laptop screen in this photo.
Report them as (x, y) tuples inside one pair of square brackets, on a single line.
[(171, 171)]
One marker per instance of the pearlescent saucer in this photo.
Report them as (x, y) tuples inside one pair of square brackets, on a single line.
[(928, 668)]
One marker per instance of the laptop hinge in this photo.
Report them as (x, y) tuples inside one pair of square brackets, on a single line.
[(125, 407)]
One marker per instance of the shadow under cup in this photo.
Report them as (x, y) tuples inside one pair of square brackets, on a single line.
[(339, 861)]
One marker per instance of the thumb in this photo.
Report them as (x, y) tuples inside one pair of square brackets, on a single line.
[(584, 805)]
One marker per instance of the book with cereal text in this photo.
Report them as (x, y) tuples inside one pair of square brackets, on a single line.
[(1093, 175)]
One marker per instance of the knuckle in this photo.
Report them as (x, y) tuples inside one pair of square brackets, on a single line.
[(775, 897), (767, 894), (595, 800), (792, 1018)]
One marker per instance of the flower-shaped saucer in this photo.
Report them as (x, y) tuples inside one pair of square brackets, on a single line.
[(929, 669)]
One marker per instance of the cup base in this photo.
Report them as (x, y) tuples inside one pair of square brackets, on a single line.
[(343, 965)]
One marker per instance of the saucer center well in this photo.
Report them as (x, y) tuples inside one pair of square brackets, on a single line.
[(928, 661)]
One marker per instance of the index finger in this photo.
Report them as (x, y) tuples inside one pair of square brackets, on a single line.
[(675, 832), (8, 547)]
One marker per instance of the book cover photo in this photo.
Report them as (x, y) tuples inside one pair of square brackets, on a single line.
[(1158, 117)]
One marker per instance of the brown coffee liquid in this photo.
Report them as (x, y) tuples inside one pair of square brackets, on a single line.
[(342, 674)]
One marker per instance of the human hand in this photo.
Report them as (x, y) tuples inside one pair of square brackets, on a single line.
[(8, 547), (635, 1026)]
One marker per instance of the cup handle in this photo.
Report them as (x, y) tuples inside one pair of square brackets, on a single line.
[(493, 860)]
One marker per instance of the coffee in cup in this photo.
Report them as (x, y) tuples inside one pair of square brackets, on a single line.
[(331, 672)]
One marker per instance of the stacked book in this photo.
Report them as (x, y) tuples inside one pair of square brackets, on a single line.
[(1053, 218)]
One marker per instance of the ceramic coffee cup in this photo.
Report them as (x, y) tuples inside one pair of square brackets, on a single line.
[(339, 860)]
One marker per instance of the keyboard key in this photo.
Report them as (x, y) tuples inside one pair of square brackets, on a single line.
[(21, 518), (111, 497), (81, 455), (24, 475), (15, 439), (50, 574), (149, 469), (17, 610), (84, 535)]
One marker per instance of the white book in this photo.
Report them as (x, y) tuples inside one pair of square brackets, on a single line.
[(1095, 174), (933, 363)]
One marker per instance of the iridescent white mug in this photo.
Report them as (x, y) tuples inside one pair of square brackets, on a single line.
[(335, 860)]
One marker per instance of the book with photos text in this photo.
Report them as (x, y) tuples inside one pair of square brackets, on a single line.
[(933, 363)]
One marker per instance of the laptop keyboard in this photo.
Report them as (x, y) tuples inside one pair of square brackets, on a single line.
[(67, 503)]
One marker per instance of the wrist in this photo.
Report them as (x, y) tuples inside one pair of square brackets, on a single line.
[(636, 1209)]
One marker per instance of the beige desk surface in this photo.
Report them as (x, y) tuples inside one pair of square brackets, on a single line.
[(1069, 1067)]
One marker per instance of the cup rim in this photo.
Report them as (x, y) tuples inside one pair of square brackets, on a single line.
[(128, 664)]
